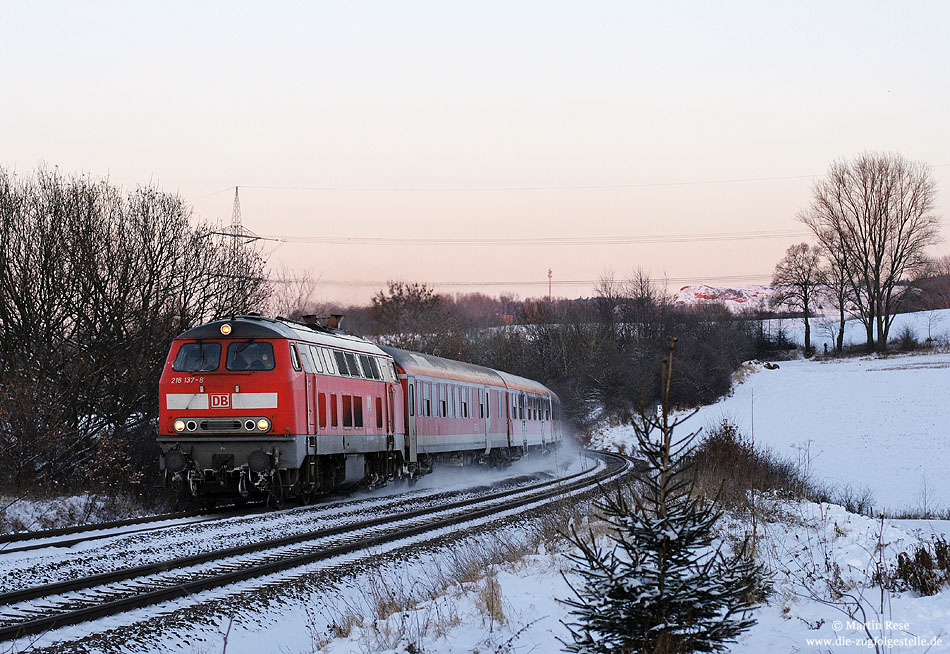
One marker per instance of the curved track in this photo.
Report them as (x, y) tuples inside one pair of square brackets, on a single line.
[(42, 608)]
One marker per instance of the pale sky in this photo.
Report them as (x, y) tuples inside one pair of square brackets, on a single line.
[(391, 107)]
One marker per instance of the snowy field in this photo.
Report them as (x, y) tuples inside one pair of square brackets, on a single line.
[(871, 423), (922, 324)]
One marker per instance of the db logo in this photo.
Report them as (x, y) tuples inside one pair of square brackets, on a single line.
[(220, 401)]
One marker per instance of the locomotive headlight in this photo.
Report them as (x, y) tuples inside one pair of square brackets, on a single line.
[(179, 425), (225, 329), (263, 424)]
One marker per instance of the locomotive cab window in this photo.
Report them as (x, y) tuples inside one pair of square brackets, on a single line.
[(197, 357), (250, 355)]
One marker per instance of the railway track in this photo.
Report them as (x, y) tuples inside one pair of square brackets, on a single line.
[(69, 536), (38, 609)]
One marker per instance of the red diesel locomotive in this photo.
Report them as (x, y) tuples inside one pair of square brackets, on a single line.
[(272, 408)]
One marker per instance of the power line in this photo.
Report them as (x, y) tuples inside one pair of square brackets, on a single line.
[(543, 282), (549, 241), (559, 187), (579, 187)]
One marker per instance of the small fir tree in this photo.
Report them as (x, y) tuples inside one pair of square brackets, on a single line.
[(661, 586)]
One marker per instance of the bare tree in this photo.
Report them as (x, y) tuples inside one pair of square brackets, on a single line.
[(292, 293), (94, 283), (878, 211), (798, 276), (413, 316)]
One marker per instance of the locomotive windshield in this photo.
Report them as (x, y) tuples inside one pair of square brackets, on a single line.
[(250, 355), (197, 357)]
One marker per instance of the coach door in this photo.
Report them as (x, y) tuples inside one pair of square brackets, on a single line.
[(509, 410), (412, 390), (524, 421), (485, 404)]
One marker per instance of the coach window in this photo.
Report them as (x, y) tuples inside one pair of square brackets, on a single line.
[(465, 401), (347, 410), (333, 411), (379, 413), (317, 359), (294, 358), (341, 362), (481, 404), (357, 410), (412, 399), (426, 399), (323, 410)]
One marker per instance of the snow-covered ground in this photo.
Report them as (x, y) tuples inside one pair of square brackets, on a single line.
[(875, 423)]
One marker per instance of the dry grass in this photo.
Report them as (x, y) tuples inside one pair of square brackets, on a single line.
[(392, 609)]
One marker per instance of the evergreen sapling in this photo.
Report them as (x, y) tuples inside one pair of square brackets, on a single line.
[(660, 585)]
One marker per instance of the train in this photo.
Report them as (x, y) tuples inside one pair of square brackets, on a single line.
[(271, 408)]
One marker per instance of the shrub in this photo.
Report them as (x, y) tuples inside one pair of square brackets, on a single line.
[(925, 569)]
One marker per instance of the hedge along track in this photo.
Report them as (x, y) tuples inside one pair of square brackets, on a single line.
[(42, 608)]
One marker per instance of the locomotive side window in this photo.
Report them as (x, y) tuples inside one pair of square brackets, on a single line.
[(377, 371), (341, 362), (328, 361), (323, 410), (368, 369), (379, 413), (250, 355), (353, 365), (197, 357), (333, 410), (317, 359), (347, 410), (294, 358), (305, 360)]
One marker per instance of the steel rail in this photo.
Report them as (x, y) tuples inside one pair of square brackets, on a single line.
[(550, 488)]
